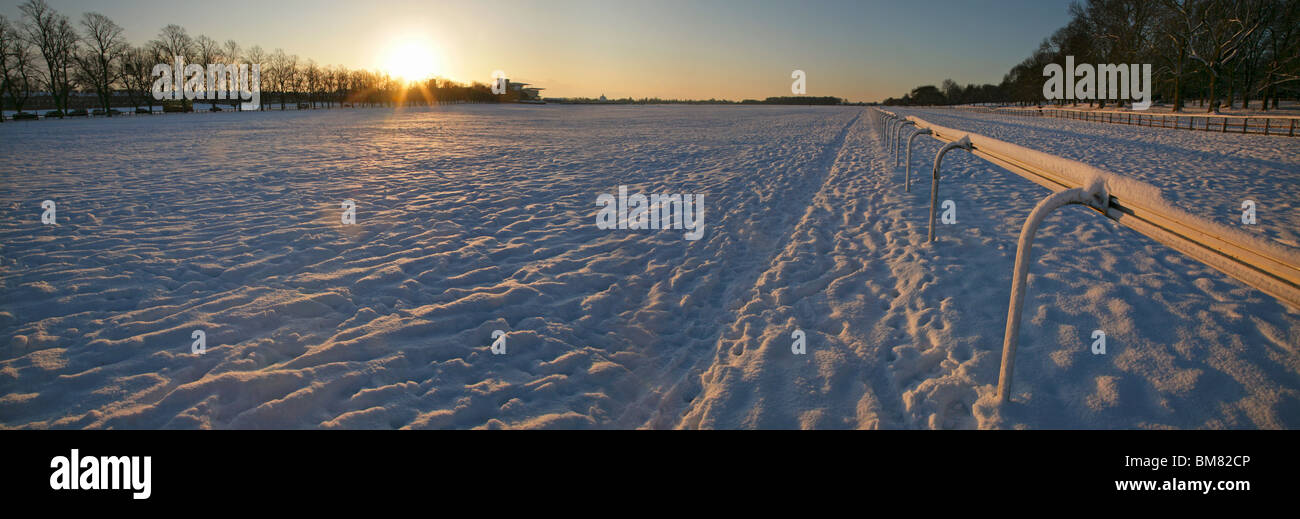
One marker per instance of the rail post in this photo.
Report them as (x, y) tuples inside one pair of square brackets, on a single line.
[(907, 174), (898, 138), (963, 143), (1094, 195), (894, 123)]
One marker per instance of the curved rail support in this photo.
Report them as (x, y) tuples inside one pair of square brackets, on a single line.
[(888, 127), (1094, 195), (907, 175), (898, 139), (963, 143)]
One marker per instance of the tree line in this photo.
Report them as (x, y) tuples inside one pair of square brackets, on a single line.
[(1215, 53), (45, 57)]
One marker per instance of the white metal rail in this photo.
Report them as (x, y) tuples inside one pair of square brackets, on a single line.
[(1271, 268)]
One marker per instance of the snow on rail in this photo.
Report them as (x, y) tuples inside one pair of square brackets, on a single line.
[(1259, 263), (1134, 204)]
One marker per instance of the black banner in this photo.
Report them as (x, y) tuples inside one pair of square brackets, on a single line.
[(322, 469)]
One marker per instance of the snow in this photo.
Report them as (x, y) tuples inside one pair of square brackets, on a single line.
[(472, 219)]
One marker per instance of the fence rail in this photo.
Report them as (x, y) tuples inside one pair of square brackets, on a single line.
[(1271, 268), (1283, 125)]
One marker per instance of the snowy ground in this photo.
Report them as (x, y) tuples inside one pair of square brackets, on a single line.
[(477, 218)]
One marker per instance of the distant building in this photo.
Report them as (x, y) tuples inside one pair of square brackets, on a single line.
[(602, 98), (525, 93)]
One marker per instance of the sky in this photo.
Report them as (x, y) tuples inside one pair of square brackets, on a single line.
[(697, 49)]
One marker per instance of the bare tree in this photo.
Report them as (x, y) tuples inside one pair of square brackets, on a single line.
[(1251, 61), (54, 36), (312, 80), (4, 61), (1282, 46), (283, 74), (256, 56), (137, 73), (1176, 30), (230, 55), (231, 52), (1074, 39), (275, 73), (100, 61), (338, 83), (1219, 42), (1121, 30), (17, 65), (206, 49), (175, 41), (295, 77)]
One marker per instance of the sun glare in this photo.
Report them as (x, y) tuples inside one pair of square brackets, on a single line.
[(411, 60)]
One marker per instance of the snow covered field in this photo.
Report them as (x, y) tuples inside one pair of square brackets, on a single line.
[(472, 219)]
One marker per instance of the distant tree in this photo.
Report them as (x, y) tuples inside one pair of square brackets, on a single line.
[(207, 50), (255, 55), (283, 73), (1280, 64), (1120, 30), (295, 75), (17, 65), (339, 82), (927, 95), (100, 61), (1249, 66), (1199, 49), (783, 100), (231, 56), (175, 41), (54, 36), (1075, 39), (951, 92), (1176, 28), (231, 52), (137, 73), (1218, 43), (312, 81)]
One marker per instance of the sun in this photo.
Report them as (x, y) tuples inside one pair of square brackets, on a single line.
[(411, 59)]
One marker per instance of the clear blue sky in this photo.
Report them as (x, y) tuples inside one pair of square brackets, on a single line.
[(860, 50)]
